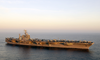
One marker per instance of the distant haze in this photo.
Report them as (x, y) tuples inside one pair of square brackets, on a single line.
[(49, 16)]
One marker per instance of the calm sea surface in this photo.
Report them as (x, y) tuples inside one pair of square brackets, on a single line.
[(13, 52)]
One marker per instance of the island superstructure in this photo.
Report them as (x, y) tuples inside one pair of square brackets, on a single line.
[(27, 41)]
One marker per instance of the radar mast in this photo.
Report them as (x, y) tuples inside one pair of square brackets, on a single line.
[(25, 32)]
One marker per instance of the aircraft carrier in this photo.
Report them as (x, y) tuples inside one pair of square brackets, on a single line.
[(27, 41)]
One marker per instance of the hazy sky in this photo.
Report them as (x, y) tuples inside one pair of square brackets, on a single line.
[(50, 15)]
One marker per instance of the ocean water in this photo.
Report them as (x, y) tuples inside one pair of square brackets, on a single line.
[(15, 52)]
